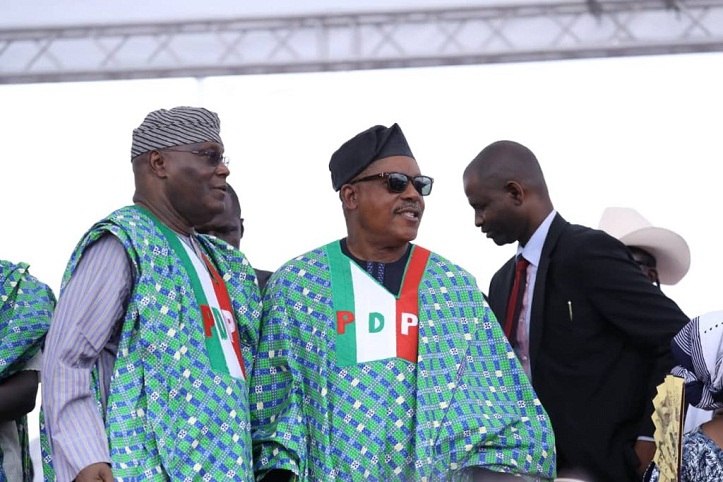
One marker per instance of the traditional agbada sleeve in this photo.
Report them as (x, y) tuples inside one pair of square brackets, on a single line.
[(528, 445), (474, 394), (472, 404), (276, 388), (26, 306), (171, 415), (91, 306)]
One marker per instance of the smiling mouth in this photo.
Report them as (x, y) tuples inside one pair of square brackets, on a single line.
[(411, 214)]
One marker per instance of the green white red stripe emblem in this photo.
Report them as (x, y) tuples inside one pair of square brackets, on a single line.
[(371, 323), (221, 335)]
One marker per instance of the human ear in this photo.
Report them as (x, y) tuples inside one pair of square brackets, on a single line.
[(515, 190), (349, 196), (157, 163)]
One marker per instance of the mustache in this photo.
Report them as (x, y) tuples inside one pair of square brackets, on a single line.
[(409, 205)]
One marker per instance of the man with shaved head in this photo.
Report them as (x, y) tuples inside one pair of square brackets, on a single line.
[(591, 331)]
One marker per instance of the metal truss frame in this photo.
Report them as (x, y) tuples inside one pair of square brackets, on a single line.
[(366, 40)]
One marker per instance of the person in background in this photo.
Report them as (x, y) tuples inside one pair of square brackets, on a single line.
[(662, 254), (26, 306), (380, 360), (698, 350), (229, 226), (592, 332), (145, 366)]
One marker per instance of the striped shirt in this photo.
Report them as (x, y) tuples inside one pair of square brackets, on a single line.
[(84, 333)]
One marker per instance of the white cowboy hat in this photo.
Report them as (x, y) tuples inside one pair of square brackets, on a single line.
[(670, 250)]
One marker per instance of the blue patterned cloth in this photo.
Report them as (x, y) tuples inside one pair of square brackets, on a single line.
[(702, 459), (26, 307), (698, 350), (170, 416), (465, 403)]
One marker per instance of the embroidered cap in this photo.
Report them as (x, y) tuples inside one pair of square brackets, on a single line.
[(364, 148), (175, 127)]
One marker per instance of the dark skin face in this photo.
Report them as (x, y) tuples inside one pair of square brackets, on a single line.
[(226, 225), (498, 209), (181, 188), (380, 224), (646, 262)]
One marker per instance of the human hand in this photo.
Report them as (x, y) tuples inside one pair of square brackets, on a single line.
[(98, 472), (645, 451)]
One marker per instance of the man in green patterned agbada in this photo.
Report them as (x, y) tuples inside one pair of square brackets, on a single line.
[(26, 306), (147, 357), (380, 360)]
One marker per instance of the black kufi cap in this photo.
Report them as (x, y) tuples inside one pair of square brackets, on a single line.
[(364, 148)]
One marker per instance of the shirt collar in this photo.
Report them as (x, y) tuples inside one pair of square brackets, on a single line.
[(532, 251)]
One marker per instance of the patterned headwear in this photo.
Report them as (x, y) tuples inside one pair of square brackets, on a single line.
[(175, 127), (698, 349), (364, 148)]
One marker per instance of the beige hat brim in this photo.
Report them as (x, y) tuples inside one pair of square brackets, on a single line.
[(671, 252)]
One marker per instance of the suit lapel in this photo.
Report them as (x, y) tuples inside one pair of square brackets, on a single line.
[(500, 290), (537, 312)]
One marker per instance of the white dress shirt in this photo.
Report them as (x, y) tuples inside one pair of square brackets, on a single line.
[(532, 252)]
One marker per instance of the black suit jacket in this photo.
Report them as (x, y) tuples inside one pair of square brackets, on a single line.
[(599, 344), (263, 277)]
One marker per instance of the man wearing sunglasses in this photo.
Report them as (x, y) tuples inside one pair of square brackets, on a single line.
[(378, 359), (144, 374)]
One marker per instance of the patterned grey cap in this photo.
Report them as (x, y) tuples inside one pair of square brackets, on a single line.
[(175, 127)]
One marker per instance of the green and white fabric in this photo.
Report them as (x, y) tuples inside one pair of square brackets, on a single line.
[(177, 407), (223, 345), (26, 307), (352, 383)]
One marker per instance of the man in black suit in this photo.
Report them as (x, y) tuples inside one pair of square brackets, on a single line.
[(592, 331)]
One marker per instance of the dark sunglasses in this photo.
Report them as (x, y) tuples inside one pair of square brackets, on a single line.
[(398, 181)]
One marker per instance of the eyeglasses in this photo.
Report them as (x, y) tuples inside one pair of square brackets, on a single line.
[(214, 157), (398, 181)]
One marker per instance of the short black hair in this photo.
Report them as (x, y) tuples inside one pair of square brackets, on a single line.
[(234, 199)]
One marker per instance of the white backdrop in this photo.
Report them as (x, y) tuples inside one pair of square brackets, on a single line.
[(641, 132)]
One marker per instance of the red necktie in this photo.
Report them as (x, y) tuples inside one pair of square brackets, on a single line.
[(514, 302)]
